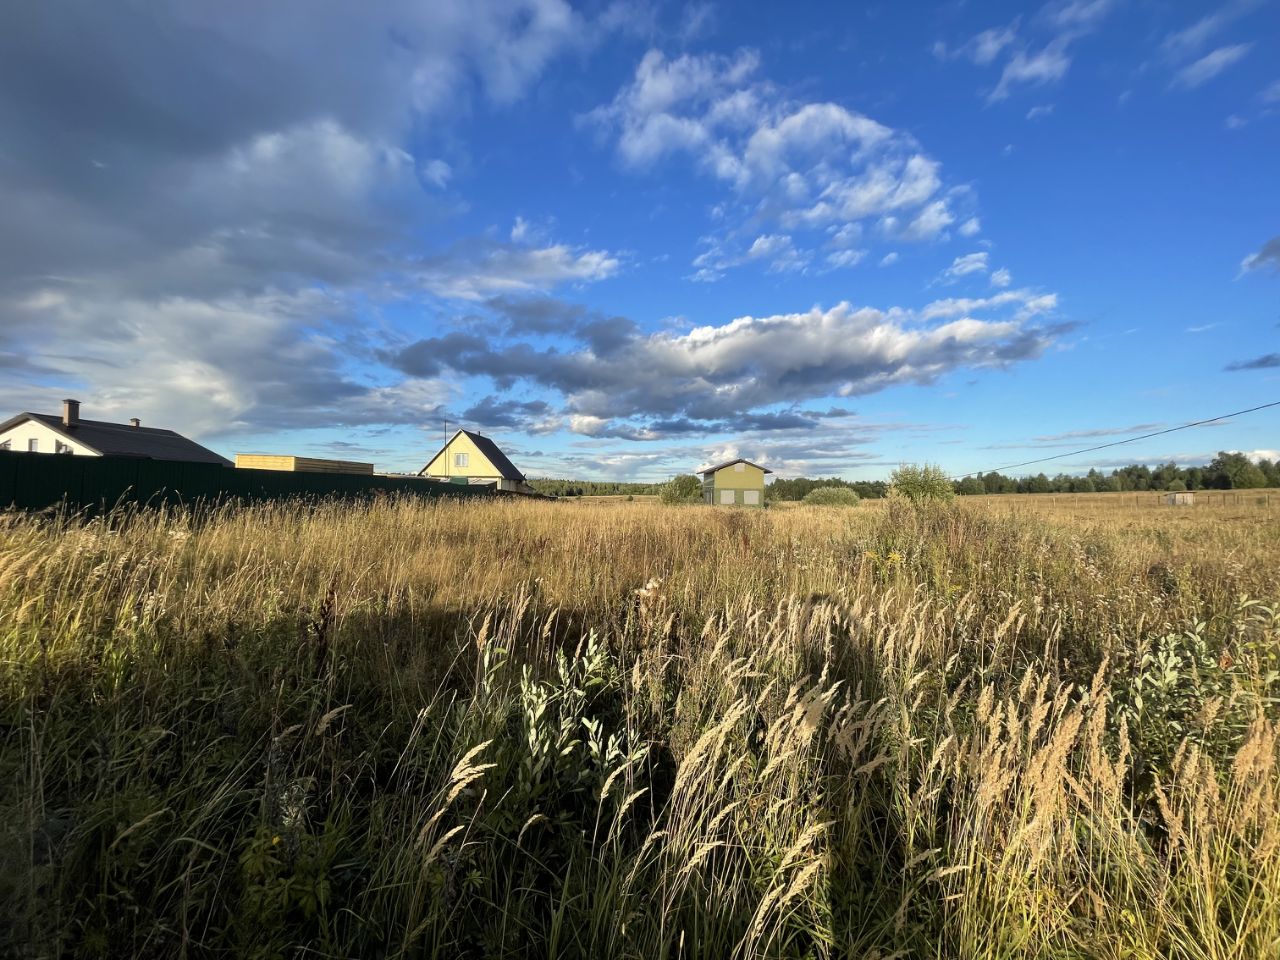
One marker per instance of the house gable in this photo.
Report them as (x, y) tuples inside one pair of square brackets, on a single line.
[(19, 431), (482, 460)]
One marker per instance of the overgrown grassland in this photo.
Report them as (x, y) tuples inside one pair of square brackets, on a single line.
[(535, 729)]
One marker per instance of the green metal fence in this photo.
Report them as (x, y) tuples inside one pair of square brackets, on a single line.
[(34, 481)]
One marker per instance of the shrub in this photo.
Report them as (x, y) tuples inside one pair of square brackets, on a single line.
[(920, 482), (685, 488), (1176, 486), (831, 497)]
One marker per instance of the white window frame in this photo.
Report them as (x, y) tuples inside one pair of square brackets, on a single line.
[(33, 445), (726, 498), (739, 467), (461, 460), (751, 498)]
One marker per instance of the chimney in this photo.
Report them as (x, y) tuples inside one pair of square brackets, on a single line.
[(70, 412), (135, 421)]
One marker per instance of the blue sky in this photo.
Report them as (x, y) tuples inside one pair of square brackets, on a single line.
[(627, 240)]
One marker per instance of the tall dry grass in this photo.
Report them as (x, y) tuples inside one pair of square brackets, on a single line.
[(532, 729)]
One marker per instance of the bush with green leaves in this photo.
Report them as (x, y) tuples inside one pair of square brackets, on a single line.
[(684, 488), (921, 482), (831, 497)]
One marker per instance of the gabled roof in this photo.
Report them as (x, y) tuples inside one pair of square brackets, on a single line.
[(506, 469), (124, 439), (730, 463)]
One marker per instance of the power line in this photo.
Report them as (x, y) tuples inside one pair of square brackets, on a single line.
[(1116, 443)]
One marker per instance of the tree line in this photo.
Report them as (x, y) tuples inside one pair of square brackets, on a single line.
[(594, 488), (1227, 471)]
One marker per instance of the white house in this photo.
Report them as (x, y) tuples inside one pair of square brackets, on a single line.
[(49, 433)]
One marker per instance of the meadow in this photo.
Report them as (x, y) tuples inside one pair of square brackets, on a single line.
[(534, 729)]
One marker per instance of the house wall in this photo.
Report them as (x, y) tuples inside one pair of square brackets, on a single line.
[(478, 465), (738, 481), (45, 435)]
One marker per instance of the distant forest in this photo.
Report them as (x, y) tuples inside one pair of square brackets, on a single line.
[(594, 488), (1227, 471)]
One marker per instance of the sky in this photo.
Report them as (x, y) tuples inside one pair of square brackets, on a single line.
[(628, 240)]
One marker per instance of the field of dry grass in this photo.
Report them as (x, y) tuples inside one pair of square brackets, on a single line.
[(628, 730)]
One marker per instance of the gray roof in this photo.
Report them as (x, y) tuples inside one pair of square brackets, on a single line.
[(506, 469), (124, 439), (730, 463)]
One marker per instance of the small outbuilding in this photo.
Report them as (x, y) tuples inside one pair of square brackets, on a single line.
[(264, 461), (735, 482), (472, 458), (1180, 498)]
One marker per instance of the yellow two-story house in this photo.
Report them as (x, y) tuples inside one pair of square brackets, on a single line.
[(736, 482)]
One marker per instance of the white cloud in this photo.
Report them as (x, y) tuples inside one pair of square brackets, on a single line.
[(182, 363), (1184, 44), (964, 265), (437, 172), (1047, 66), (1035, 113), (983, 47), (1209, 66), (1029, 304), (478, 270), (1271, 94), (845, 258), (929, 224), (1054, 28), (1078, 14), (970, 227), (1001, 278), (889, 259), (727, 377), (799, 165)]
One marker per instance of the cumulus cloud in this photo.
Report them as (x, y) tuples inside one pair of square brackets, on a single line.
[(480, 269), (272, 361), (715, 375), (796, 165), (1001, 277), (1209, 66), (198, 201), (1268, 257), (964, 265)]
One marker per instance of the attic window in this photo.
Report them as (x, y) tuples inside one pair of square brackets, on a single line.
[(33, 445), (738, 467), (460, 459)]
